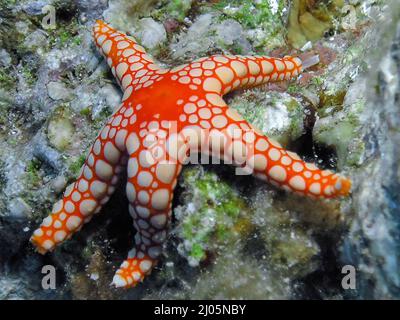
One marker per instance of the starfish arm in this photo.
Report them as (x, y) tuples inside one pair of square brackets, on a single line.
[(95, 184), (235, 140), (129, 62), (222, 74), (151, 182)]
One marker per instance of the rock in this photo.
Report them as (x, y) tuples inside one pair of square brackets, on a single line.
[(206, 33), (60, 132), (230, 32), (58, 91), (215, 216), (36, 40), (42, 150), (151, 33), (11, 288), (233, 276), (262, 23), (197, 39), (5, 58), (23, 27), (278, 115), (371, 245), (123, 14), (59, 184), (19, 209), (35, 7), (112, 97)]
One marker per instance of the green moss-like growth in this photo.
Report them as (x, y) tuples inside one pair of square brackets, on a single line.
[(95, 282), (257, 247), (7, 80), (250, 14), (218, 210), (66, 33), (76, 165), (32, 176), (87, 112), (258, 15), (100, 119), (175, 9), (7, 4), (29, 74)]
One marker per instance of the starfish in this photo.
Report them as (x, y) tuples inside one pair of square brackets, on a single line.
[(166, 116)]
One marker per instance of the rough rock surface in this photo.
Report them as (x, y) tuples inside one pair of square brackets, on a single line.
[(56, 92)]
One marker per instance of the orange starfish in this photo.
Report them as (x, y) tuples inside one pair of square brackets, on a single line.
[(166, 116)]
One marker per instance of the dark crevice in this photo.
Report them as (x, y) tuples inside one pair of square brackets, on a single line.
[(324, 156), (66, 13), (326, 281)]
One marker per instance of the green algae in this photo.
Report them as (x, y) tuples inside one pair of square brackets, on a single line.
[(175, 9), (250, 14), (87, 112), (233, 48), (257, 15), (33, 177), (218, 210), (262, 247), (7, 79), (30, 75), (7, 4), (100, 119), (66, 33), (76, 165), (215, 215)]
